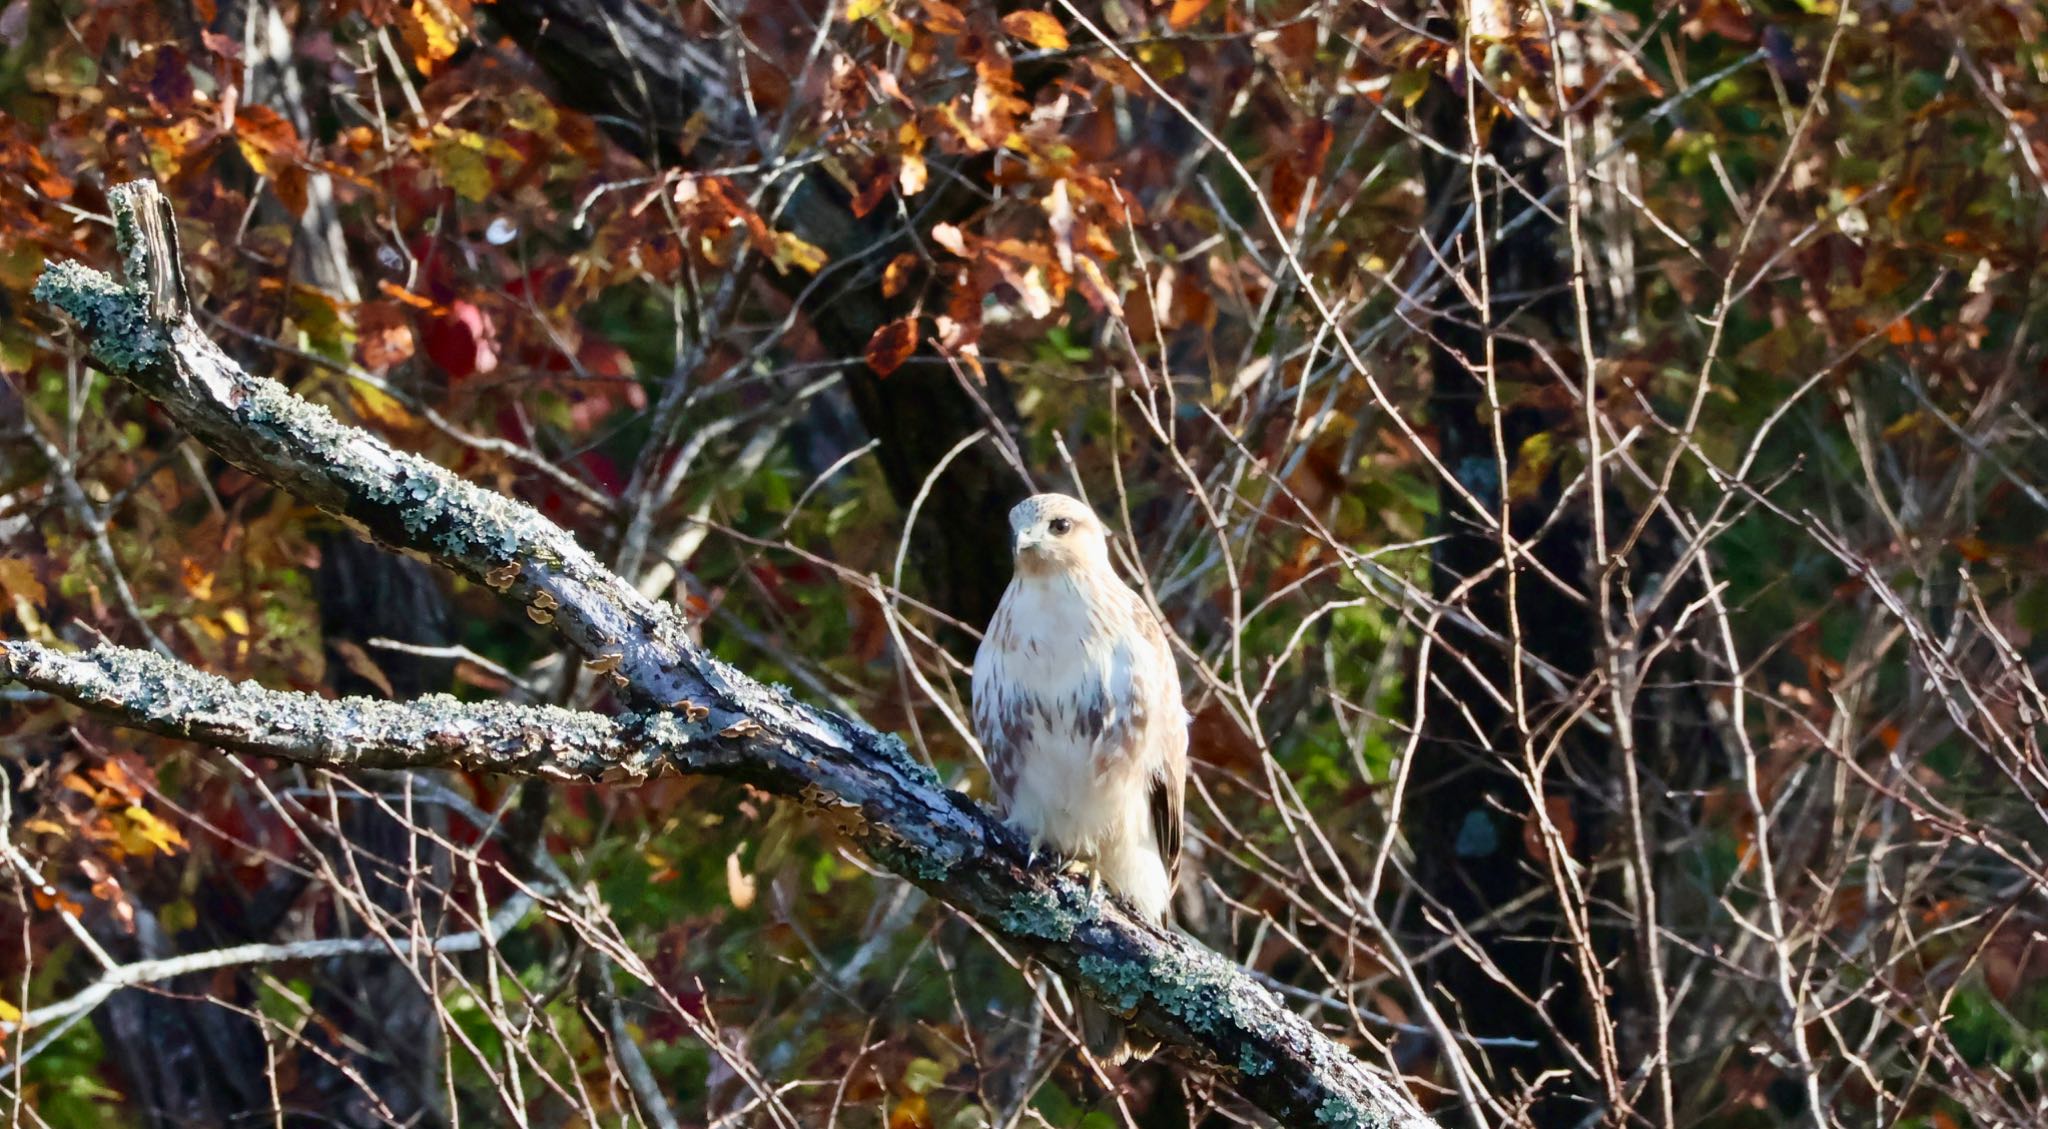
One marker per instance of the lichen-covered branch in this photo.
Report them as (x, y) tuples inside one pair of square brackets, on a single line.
[(146, 691), (896, 809)]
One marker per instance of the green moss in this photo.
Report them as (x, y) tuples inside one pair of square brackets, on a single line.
[(892, 747)]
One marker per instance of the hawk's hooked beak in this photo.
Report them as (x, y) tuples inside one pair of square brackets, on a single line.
[(1027, 541)]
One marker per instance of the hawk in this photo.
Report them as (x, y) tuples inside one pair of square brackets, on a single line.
[(1077, 701)]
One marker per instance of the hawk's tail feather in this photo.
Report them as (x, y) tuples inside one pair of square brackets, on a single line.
[(1109, 1039)]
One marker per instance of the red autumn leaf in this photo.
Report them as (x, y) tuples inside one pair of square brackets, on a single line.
[(464, 343), (876, 181), (1536, 842), (892, 345)]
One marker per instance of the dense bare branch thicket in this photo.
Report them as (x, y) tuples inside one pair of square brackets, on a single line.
[(1587, 456)]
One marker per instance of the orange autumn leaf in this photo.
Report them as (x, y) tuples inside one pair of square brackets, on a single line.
[(942, 18), (384, 336), (897, 274), (272, 147), (391, 289), (892, 345), (1184, 13), (433, 29), (1039, 29)]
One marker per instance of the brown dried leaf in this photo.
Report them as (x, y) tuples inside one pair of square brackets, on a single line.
[(892, 345)]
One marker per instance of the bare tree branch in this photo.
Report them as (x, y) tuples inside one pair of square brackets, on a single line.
[(899, 811)]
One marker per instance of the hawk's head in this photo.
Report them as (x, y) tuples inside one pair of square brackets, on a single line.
[(1052, 532)]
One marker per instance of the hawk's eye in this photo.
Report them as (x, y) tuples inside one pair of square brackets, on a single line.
[(1060, 526)]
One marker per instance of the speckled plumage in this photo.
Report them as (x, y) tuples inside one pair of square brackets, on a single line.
[(1077, 702)]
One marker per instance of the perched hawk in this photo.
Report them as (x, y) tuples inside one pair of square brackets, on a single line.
[(1078, 703)]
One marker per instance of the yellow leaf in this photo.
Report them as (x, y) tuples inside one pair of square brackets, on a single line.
[(236, 621), (198, 581), (151, 831), (791, 251), (1533, 462), (1163, 60), (461, 156), (858, 10), (381, 406), (1039, 29), (912, 176), (18, 579), (9, 1013)]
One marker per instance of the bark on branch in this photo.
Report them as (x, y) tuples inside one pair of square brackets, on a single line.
[(697, 713)]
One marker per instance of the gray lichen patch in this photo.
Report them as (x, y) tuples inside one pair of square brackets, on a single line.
[(1042, 914), (1200, 989), (115, 319), (460, 520), (1119, 984), (1340, 1112), (911, 859), (1251, 1063)]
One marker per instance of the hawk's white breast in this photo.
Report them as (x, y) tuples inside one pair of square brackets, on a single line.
[(1075, 710)]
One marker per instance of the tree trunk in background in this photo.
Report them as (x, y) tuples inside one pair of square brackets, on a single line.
[(642, 79), (1468, 817), (381, 1026)]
